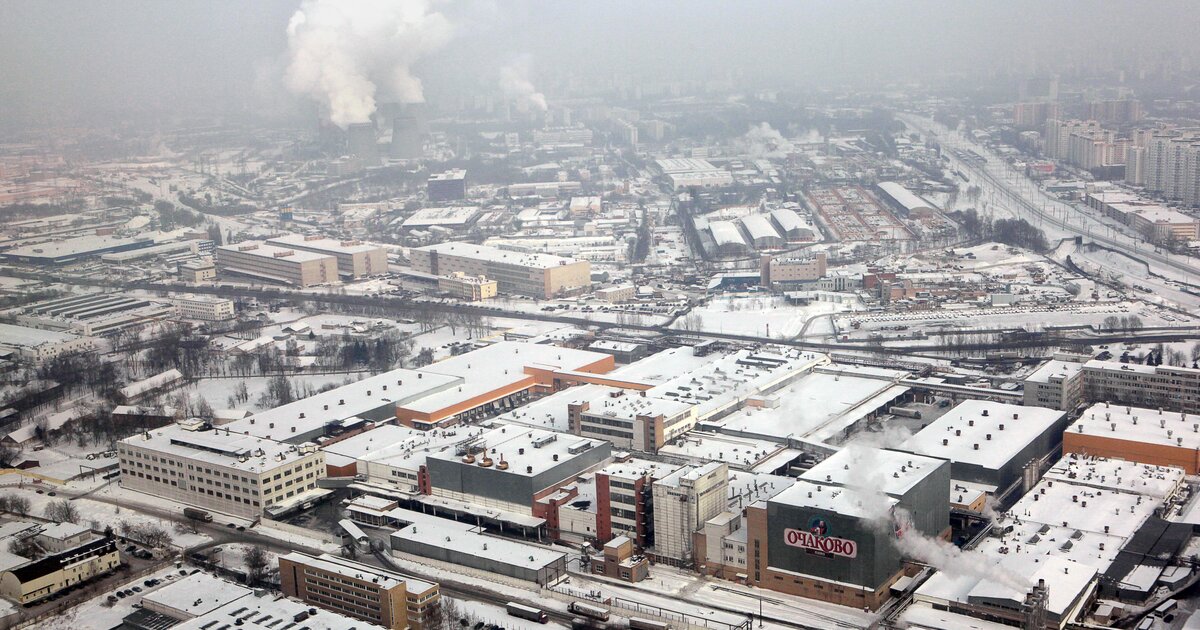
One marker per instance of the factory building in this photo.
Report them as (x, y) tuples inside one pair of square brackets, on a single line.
[(221, 471), (631, 420), (1148, 436), (761, 231), (37, 345), (468, 288), (1056, 384), (792, 271), (728, 238), (511, 468), (1169, 387), (831, 536), (904, 201), (95, 314), (990, 443), (497, 378), (466, 544), (259, 260), (448, 186), (688, 172), (683, 501), (360, 143), (355, 259), (197, 271), (537, 275), (343, 411), (625, 499), (206, 308), (377, 596), (791, 227), (72, 250)]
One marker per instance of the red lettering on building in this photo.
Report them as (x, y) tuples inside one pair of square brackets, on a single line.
[(824, 544)]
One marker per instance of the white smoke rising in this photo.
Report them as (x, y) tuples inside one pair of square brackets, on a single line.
[(949, 558), (515, 83), (764, 141), (868, 481), (347, 53)]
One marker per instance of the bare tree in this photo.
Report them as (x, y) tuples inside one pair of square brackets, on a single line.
[(62, 511)]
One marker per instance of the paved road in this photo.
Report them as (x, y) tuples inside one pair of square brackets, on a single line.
[(1082, 225)]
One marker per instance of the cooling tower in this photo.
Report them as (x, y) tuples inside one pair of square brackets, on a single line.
[(406, 138), (360, 142)]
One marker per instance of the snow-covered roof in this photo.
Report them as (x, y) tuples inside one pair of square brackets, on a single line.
[(983, 433), (1149, 480), (1056, 369), (844, 501), (905, 197), (137, 388), (758, 226), (357, 399), (194, 595), (496, 255), (892, 472), (1137, 424), (526, 451), (219, 447)]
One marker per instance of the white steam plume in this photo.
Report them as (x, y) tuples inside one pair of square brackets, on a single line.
[(347, 53), (764, 141), (515, 83), (868, 480)]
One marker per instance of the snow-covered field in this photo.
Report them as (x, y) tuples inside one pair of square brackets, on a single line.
[(760, 315)]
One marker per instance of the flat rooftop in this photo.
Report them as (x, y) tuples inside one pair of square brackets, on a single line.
[(26, 337), (449, 215), (219, 447), (635, 468), (739, 452), (1102, 473), (629, 405), (1137, 424), (356, 399), (196, 594), (962, 434), (892, 472), (527, 451), (844, 501), (327, 245), (78, 246), (499, 256), (399, 447), (818, 404), (550, 412), (721, 384), (494, 369), (270, 612), (355, 570), (1054, 368), (262, 249), (467, 539)]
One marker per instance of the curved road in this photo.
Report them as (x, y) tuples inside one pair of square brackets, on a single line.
[(1128, 245)]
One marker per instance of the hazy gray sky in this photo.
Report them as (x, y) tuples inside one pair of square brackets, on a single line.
[(153, 54)]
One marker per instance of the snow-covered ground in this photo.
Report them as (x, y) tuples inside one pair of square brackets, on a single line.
[(760, 315), (98, 613)]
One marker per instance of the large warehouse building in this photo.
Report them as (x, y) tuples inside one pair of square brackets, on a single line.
[(831, 536), (355, 259), (1147, 436), (537, 275), (988, 442), (283, 265)]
